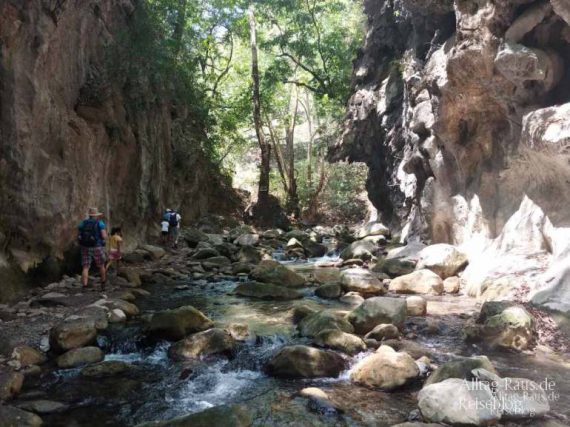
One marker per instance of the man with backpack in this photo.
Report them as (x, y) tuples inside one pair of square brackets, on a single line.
[(91, 238), (174, 220)]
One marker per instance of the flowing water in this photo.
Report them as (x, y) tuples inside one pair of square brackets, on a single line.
[(159, 389)]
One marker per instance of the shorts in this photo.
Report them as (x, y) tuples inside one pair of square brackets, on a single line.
[(174, 233), (95, 254), (114, 255), (165, 233)]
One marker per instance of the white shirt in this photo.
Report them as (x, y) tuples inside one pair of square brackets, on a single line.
[(164, 225)]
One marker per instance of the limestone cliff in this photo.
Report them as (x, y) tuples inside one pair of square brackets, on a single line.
[(73, 134), (461, 109)]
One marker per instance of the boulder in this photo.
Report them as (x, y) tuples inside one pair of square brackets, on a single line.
[(11, 416), (269, 271), (459, 402), (302, 311), (338, 340), (443, 259), (193, 236), (218, 416), (361, 281), (71, 334), (314, 249), (238, 231), (375, 311), (326, 275), (27, 356), (110, 368), (117, 315), (126, 307), (79, 357), (386, 369), (451, 285), (352, 298), (43, 407), (212, 341), (414, 349), (503, 324), (418, 282), (241, 268), (416, 306), (394, 267), (216, 262), (329, 291), (247, 240), (10, 384), (132, 275), (156, 252), (274, 233), (249, 254), (266, 291), (361, 249), (314, 323), (460, 369), (238, 331), (373, 229), (301, 361), (205, 253), (173, 325), (384, 331)]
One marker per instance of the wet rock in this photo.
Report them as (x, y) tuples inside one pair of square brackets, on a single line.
[(312, 324), (314, 249), (361, 281), (117, 315), (132, 275), (416, 306), (173, 325), (384, 331), (386, 369), (302, 311), (155, 252), (394, 267), (238, 331), (268, 271), (459, 402), (326, 275), (241, 268), (72, 334), (247, 240), (460, 369), (126, 307), (361, 249), (313, 392), (266, 291), (328, 291), (27, 356), (10, 383), (216, 262), (352, 298), (375, 311), (249, 254), (418, 282), (43, 407), (79, 357), (106, 369), (335, 339), (373, 229), (443, 259), (301, 361), (11, 416), (451, 285), (503, 324), (353, 262), (272, 233), (212, 341), (219, 416)]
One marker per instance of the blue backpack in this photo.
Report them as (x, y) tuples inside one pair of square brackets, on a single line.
[(89, 233)]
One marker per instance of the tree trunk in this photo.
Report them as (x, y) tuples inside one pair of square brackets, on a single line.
[(179, 25), (292, 196), (265, 148)]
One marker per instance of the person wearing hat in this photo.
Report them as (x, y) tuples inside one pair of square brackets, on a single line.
[(91, 238)]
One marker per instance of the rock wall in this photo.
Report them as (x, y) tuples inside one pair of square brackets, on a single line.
[(459, 109), (73, 136)]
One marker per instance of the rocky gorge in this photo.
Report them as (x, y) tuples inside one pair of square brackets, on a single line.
[(220, 333)]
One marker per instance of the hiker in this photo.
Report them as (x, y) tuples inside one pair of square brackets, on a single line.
[(164, 225), (174, 227), (115, 243), (91, 238)]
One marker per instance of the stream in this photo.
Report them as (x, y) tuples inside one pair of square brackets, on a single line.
[(159, 389)]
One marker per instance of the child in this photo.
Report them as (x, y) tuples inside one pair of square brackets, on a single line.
[(164, 234), (115, 243)]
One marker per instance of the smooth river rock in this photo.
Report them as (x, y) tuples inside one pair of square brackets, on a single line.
[(301, 361)]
